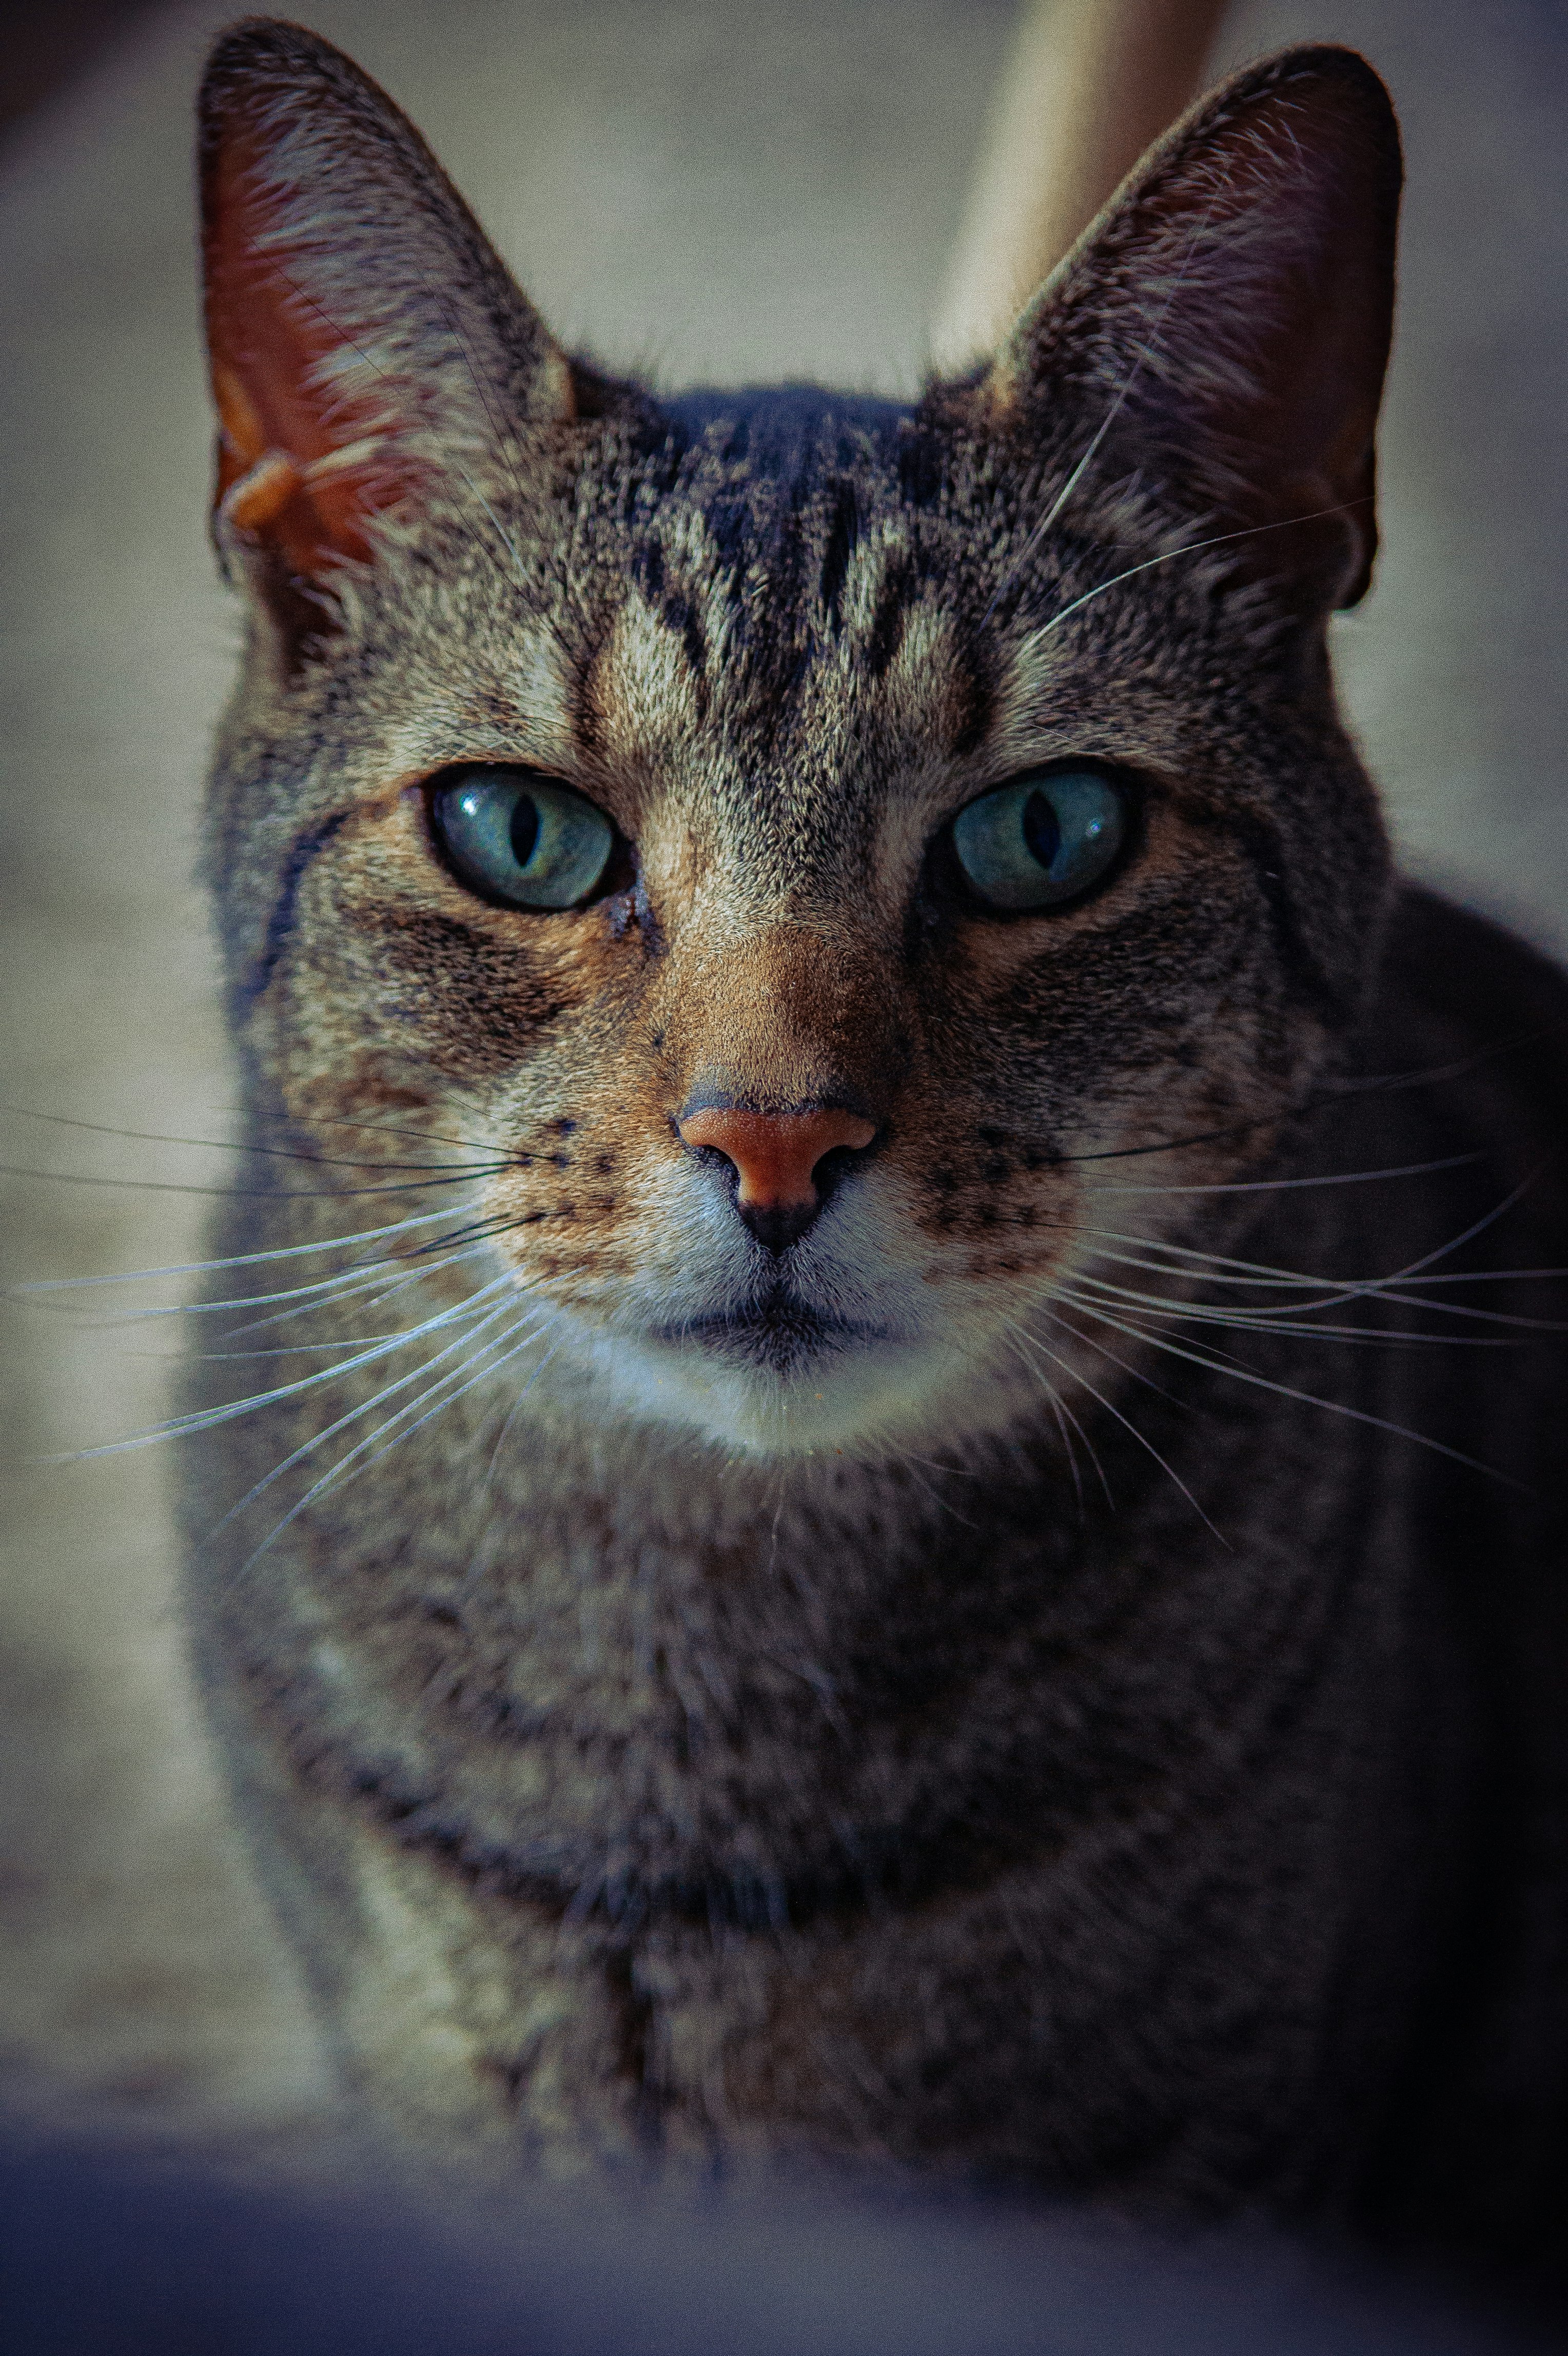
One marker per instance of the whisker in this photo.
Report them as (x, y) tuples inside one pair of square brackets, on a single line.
[(912, 1463), (353, 1415), (234, 1145), (1480, 1227), (245, 1260), (325, 1293), (136, 1185), (1264, 1320), (424, 1136), (1282, 1185), (1251, 1270), (1054, 1400), (366, 1289), (1328, 1100), (283, 1349), (1064, 1415), (209, 1418), (1074, 1375), (1436, 1074), (256, 1194), (506, 1422), (1307, 1398), (1217, 1268), (1140, 361), (1138, 1373), (1282, 1317), (338, 1473), (1188, 548)]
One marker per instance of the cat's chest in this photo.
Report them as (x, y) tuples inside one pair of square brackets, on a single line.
[(570, 1685)]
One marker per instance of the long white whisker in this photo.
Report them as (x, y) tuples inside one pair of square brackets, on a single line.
[(366, 1407), (1188, 548), (1054, 1400), (1087, 1289), (1479, 1227), (942, 1503), (274, 1152), (340, 1472), (1294, 1315), (1282, 1185), (353, 1285), (1074, 1375), (1307, 1398), (1064, 1415), (365, 1289), (1141, 359), (208, 1419), (1336, 1290), (243, 1259)]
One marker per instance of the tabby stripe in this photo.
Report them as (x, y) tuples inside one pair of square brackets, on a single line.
[(280, 924)]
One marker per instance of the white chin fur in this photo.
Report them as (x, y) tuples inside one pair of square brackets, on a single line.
[(924, 1369), (866, 1398)]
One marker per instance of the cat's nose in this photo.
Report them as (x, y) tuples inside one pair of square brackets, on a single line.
[(776, 1157)]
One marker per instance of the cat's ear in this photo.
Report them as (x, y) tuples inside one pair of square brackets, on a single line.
[(366, 346), (1229, 317)]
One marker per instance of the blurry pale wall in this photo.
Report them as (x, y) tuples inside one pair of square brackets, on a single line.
[(762, 188)]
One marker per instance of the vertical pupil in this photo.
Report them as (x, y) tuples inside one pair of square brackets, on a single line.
[(1042, 829), (524, 829)]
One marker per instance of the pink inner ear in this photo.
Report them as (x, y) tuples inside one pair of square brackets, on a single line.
[(300, 465)]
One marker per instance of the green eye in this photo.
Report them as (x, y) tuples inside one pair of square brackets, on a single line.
[(1042, 839), (522, 837)]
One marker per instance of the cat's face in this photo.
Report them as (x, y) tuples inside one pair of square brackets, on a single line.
[(725, 827)]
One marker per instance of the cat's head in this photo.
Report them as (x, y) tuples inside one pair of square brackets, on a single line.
[(808, 851)]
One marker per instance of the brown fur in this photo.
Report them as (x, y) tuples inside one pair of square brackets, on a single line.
[(965, 1733)]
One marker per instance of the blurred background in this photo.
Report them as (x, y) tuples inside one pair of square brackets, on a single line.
[(706, 190)]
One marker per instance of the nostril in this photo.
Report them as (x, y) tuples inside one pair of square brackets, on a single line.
[(776, 1157)]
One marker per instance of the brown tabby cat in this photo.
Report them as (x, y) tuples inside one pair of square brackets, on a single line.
[(906, 1498)]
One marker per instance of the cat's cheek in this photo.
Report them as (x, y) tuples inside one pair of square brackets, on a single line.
[(1060, 1004), (389, 966), (588, 1203), (998, 1217)]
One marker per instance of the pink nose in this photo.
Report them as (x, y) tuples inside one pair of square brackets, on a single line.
[(774, 1153)]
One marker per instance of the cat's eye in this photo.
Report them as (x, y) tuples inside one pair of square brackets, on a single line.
[(1042, 839), (522, 837)]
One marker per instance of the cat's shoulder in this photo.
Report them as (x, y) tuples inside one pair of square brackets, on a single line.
[(1484, 1013), (1464, 965)]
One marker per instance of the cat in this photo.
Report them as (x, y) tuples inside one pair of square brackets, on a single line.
[(904, 1504)]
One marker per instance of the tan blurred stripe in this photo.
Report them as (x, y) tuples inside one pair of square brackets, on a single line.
[(1088, 84)]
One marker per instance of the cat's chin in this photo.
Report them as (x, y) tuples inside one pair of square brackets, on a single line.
[(795, 1386), (782, 1337)]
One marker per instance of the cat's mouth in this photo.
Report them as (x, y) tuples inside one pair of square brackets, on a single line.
[(780, 1331)]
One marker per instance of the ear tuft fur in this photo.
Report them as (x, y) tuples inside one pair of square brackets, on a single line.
[(368, 348)]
